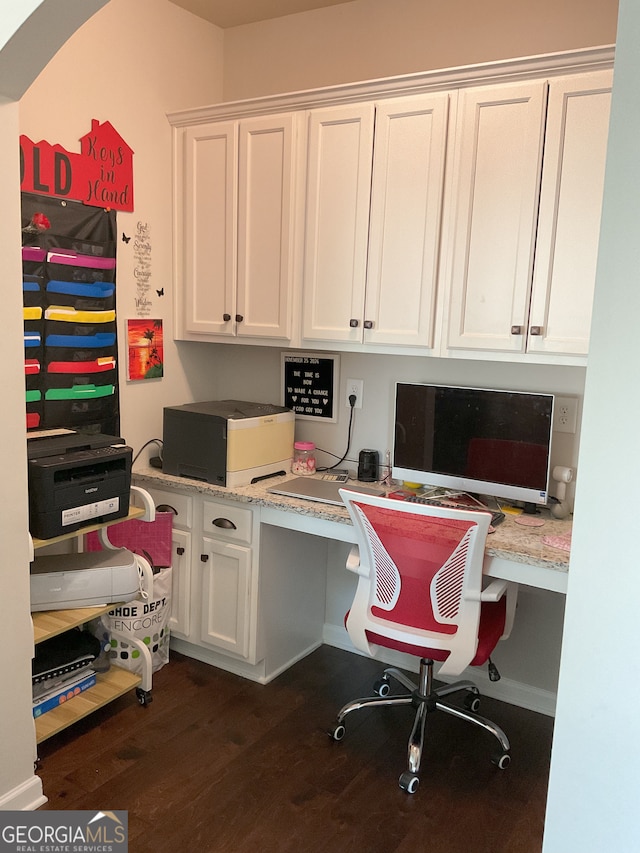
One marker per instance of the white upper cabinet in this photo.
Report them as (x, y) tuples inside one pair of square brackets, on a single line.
[(406, 212), (340, 146), (524, 243), (453, 214), (569, 219), (234, 251), (207, 243), (496, 179), (373, 213)]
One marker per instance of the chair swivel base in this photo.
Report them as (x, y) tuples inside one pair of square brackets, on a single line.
[(425, 699)]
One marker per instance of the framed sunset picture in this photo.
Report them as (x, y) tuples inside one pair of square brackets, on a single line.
[(145, 348)]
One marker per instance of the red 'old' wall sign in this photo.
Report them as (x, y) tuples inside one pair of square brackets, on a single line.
[(100, 176)]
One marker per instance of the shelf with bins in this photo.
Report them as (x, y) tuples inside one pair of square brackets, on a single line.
[(111, 684)]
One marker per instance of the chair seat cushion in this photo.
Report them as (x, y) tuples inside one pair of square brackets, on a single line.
[(492, 621)]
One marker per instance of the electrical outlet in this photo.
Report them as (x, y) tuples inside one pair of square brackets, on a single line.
[(354, 386), (565, 414)]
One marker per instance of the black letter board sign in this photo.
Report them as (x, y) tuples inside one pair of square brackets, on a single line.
[(309, 385)]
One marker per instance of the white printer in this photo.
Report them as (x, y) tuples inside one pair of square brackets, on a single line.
[(227, 442), (61, 581)]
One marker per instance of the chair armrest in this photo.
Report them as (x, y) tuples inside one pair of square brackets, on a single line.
[(494, 591), (353, 560)]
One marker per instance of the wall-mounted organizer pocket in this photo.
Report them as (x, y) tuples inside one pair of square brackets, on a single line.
[(33, 258), (67, 266), (66, 374), (34, 405), (96, 296), (77, 406)]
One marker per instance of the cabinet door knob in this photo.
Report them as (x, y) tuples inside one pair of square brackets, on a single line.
[(535, 330), (368, 324), (353, 323), (180, 550), (226, 317), (225, 523), (516, 330), (239, 318), (204, 558)]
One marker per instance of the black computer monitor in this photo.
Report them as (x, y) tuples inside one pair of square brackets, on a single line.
[(474, 440)]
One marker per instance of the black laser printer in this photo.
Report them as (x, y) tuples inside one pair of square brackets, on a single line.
[(76, 479)]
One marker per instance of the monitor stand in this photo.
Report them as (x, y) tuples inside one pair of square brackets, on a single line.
[(531, 508)]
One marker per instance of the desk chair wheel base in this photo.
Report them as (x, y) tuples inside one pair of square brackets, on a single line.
[(409, 782), (502, 760), (144, 696), (337, 732), (382, 686), (472, 702)]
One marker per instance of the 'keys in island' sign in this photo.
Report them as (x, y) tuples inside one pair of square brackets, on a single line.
[(101, 175)]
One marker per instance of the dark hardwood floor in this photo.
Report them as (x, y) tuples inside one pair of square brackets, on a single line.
[(218, 763)]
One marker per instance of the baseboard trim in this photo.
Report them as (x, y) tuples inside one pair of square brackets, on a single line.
[(506, 690), (27, 796)]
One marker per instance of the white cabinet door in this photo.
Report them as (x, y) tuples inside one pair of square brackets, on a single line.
[(236, 190), (208, 233), (179, 621), (406, 212), (340, 145), (265, 210), (225, 603), (569, 220), (495, 198)]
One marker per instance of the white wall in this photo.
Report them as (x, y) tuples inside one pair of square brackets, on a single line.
[(367, 39), (595, 765), (153, 58)]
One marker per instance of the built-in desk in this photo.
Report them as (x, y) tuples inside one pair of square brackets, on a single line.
[(513, 552), (259, 582)]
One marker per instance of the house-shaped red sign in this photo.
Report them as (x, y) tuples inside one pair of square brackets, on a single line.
[(101, 175)]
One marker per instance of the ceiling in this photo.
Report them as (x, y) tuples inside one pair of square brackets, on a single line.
[(232, 13)]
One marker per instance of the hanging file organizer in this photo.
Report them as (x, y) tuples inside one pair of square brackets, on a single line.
[(71, 352)]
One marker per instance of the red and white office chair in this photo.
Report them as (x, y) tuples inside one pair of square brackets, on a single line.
[(420, 591)]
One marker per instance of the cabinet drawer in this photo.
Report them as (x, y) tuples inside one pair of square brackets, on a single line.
[(226, 521), (183, 505)]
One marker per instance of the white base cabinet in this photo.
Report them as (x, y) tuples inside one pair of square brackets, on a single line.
[(243, 600)]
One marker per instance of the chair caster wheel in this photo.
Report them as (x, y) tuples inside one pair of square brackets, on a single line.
[(409, 782), (382, 687), (144, 696), (502, 760), (472, 702), (337, 732)]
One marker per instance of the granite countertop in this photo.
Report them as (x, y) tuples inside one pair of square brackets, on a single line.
[(510, 541)]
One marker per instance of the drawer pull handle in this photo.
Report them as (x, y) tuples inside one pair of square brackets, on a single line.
[(179, 551), (225, 523), (166, 508), (368, 324), (516, 330), (535, 330), (354, 323), (226, 317), (239, 318), (204, 558)]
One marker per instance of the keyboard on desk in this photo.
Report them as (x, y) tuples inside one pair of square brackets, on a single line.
[(497, 517)]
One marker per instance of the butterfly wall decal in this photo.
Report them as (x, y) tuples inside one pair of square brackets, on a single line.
[(125, 239), (160, 292)]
